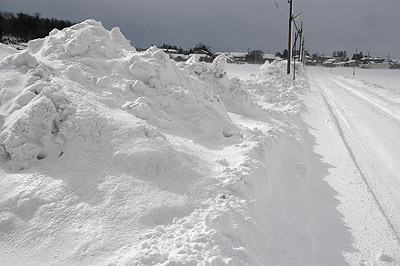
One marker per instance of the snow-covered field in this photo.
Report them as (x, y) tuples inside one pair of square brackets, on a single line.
[(244, 71), (388, 78), (115, 157)]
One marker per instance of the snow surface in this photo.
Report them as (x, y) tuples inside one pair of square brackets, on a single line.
[(111, 156), (378, 86), (242, 71), (6, 50), (357, 133), (387, 78)]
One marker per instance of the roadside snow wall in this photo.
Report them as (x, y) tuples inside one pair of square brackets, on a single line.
[(111, 156), (65, 81)]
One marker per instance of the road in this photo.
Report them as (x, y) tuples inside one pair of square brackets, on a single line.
[(360, 137)]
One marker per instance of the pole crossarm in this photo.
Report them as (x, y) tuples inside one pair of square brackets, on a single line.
[(298, 15)]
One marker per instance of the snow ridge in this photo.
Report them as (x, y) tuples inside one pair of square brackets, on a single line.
[(118, 157)]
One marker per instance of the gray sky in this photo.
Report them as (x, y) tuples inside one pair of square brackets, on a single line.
[(237, 25)]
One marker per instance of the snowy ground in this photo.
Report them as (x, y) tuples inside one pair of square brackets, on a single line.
[(114, 157), (357, 133), (244, 71), (387, 78)]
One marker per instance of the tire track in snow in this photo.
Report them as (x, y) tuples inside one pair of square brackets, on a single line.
[(380, 107), (379, 200)]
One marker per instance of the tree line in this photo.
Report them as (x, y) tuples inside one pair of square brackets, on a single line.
[(200, 47), (20, 27)]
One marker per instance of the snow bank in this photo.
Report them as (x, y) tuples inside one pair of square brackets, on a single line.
[(65, 73), (111, 156)]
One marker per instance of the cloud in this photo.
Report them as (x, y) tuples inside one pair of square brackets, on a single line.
[(371, 19), (235, 24)]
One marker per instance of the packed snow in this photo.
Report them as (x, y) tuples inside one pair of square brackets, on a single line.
[(111, 156), (386, 78), (356, 125)]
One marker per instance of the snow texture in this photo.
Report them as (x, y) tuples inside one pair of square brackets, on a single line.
[(111, 156)]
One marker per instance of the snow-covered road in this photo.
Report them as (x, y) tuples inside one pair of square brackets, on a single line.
[(358, 134)]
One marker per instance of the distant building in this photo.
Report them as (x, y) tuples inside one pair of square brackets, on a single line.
[(271, 57), (234, 57), (239, 58), (204, 56), (331, 62), (374, 62), (310, 61), (169, 51)]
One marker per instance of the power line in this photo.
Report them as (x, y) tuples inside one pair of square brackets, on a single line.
[(280, 10), (295, 25)]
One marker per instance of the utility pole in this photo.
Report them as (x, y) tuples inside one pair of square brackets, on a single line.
[(301, 43), (296, 35), (290, 36)]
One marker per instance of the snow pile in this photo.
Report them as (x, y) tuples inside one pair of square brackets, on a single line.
[(279, 94), (87, 39), (62, 81), (114, 157), (234, 92), (215, 76), (283, 93)]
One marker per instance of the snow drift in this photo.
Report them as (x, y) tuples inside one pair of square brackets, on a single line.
[(111, 156)]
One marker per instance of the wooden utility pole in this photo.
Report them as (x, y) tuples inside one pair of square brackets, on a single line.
[(290, 36), (301, 43), (296, 35)]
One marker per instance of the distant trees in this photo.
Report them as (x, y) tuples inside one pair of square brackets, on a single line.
[(173, 47), (255, 57), (340, 54), (357, 56), (315, 56), (285, 54), (24, 27), (201, 48)]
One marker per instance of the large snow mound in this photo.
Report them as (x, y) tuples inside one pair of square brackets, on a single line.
[(111, 156), (65, 77)]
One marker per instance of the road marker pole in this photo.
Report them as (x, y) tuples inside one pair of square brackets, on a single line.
[(354, 69)]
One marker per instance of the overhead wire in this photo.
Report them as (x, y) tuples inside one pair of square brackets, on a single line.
[(283, 15), (294, 22), (280, 10)]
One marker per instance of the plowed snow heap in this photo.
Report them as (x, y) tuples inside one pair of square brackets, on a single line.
[(114, 157), (72, 82)]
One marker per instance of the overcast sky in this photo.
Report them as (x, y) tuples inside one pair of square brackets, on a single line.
[(237, 25)]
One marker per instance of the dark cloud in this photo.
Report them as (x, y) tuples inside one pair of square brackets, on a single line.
[(236, 24)]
